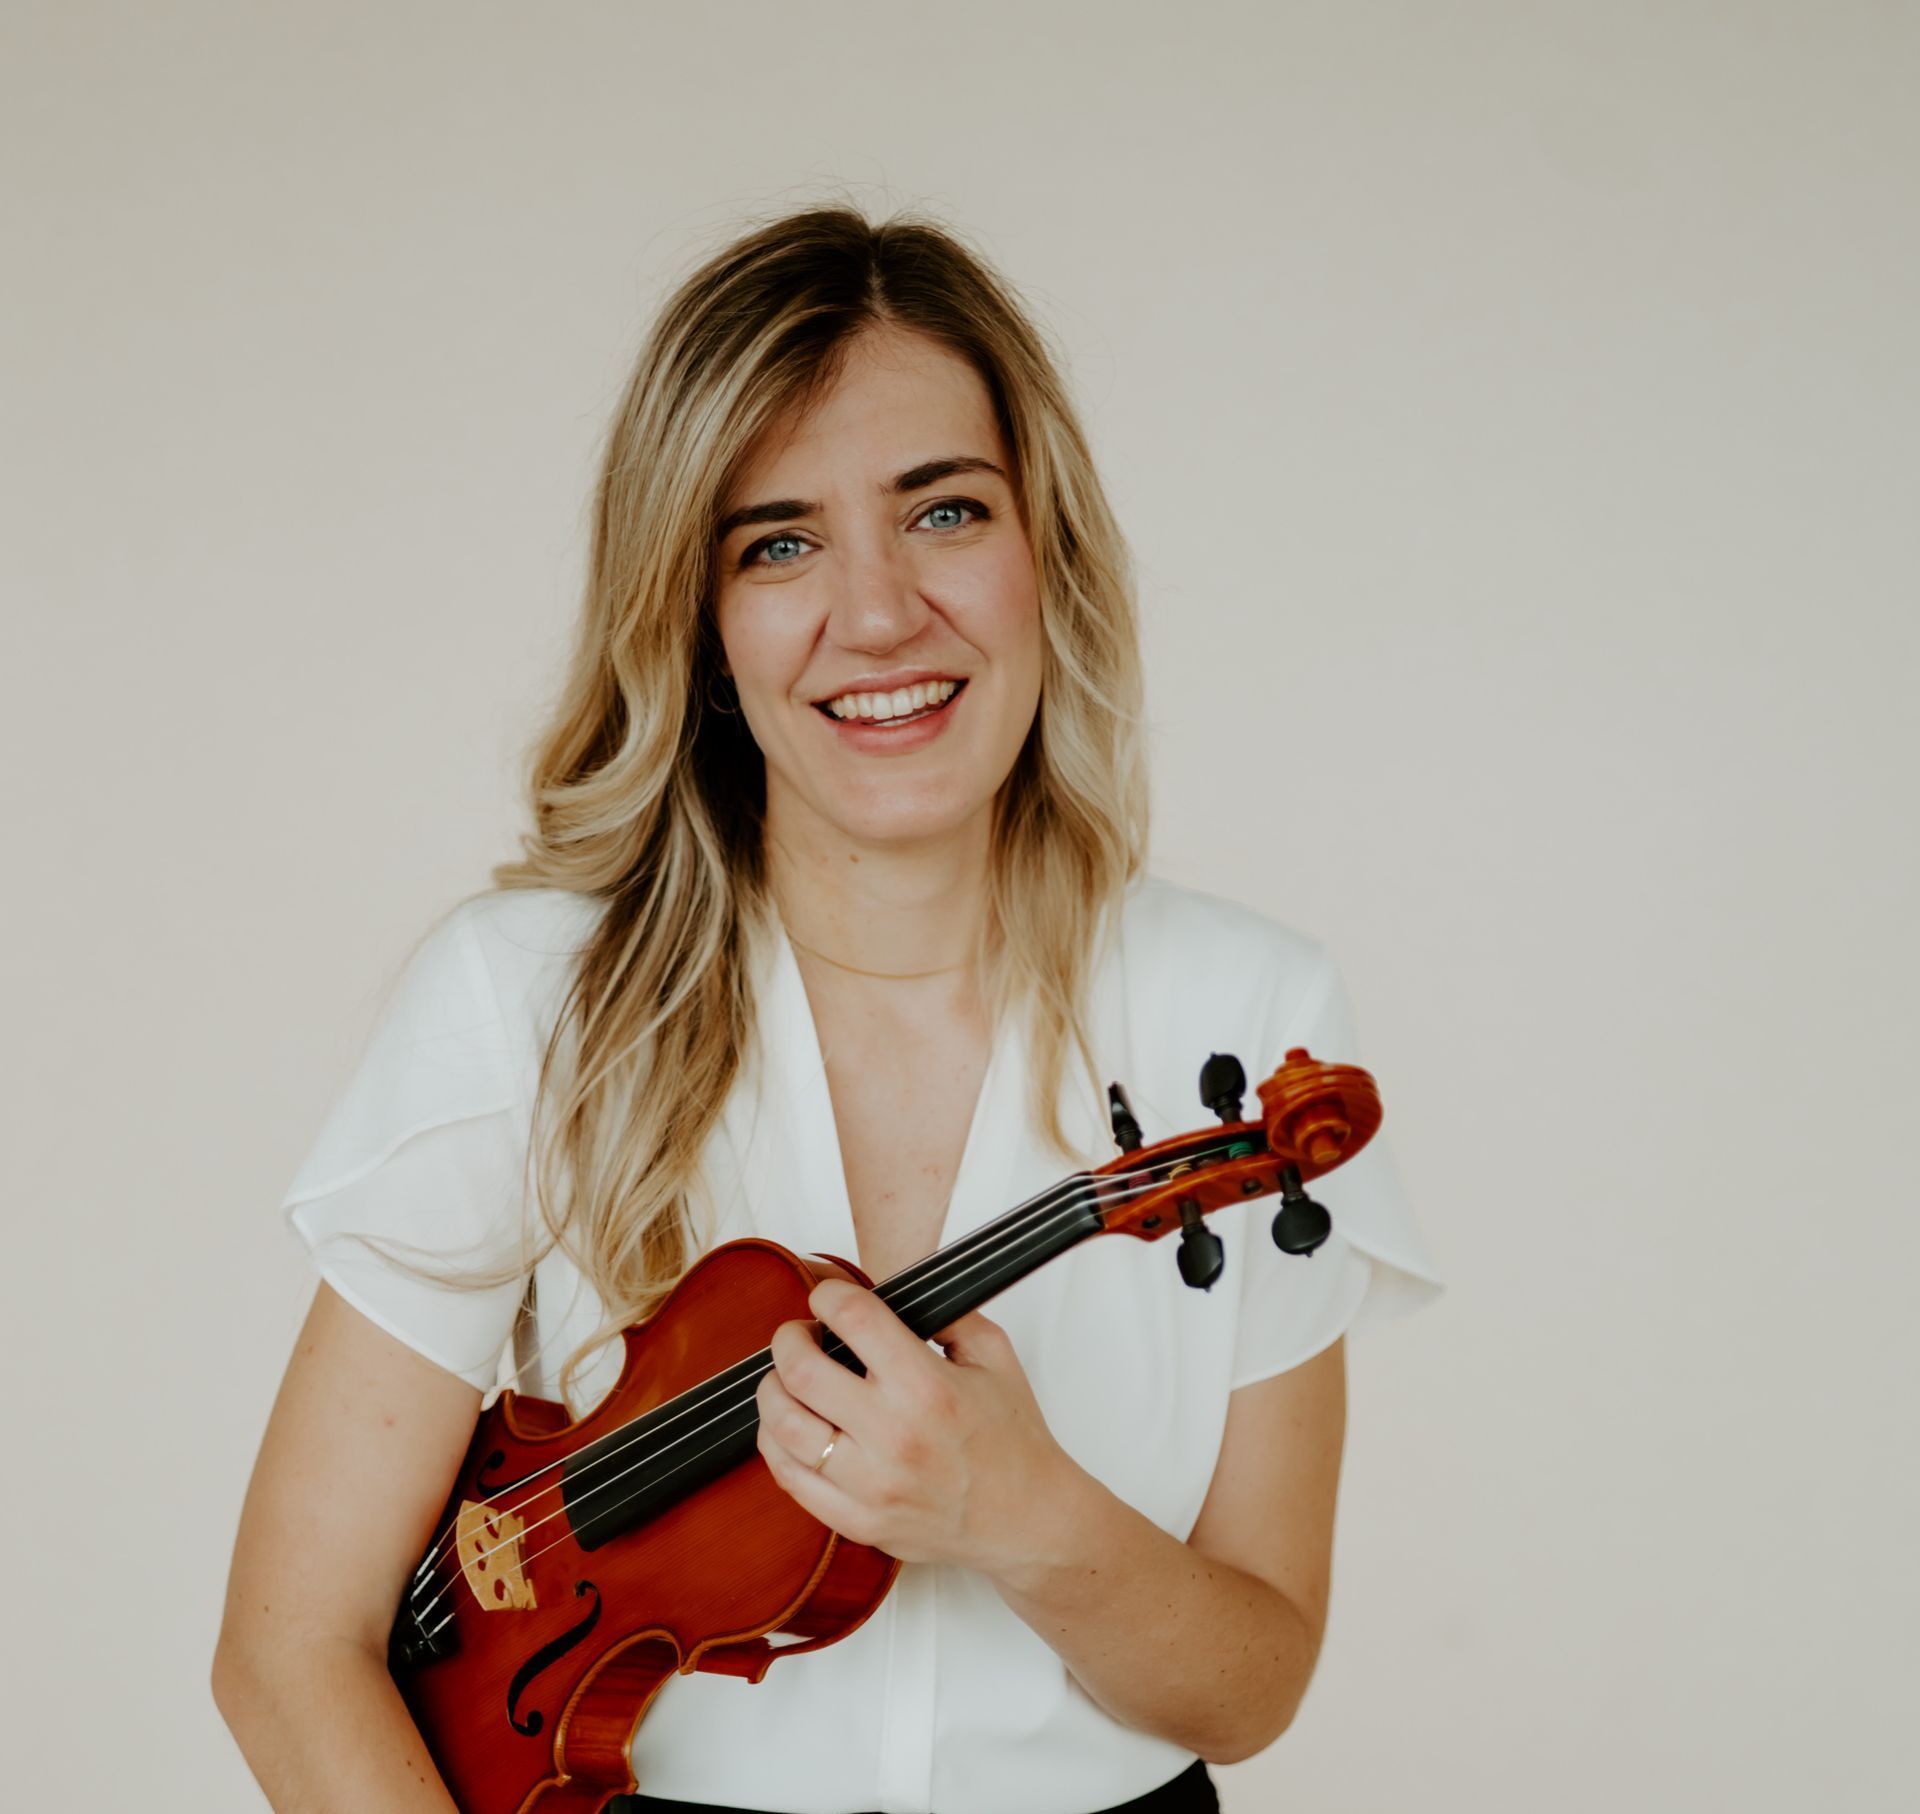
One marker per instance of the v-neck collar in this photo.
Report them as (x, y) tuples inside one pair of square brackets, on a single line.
[(796, 1081)]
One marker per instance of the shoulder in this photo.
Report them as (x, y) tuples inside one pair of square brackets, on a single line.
[(519, 945), (1197, 969), (540, 924), (1208, 940)]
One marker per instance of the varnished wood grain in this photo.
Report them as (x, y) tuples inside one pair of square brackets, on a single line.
[(700, 1587)]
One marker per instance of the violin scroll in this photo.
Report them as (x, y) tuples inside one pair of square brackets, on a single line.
[(1313, 1117), (1318, 1115)]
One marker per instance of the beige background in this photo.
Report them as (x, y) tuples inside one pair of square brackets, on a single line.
[(1514, 412)]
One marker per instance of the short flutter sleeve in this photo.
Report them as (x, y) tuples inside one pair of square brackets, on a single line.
[(423, 1151), (1374, 1265)]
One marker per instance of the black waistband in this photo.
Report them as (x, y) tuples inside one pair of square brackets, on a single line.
[(1191, 1792)]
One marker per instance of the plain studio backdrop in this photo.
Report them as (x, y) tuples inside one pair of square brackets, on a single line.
[(1513, 411)]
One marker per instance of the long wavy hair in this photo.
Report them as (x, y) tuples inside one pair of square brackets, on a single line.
[(647, 799)]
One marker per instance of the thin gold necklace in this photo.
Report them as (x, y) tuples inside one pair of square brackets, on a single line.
[(894, 976)]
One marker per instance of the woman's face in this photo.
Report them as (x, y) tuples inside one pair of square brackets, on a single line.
[(876, 600)]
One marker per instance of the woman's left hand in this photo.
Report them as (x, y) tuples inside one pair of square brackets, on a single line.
[(937, 1460)]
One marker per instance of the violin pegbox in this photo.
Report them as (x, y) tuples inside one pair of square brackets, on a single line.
[(1313, 1117)]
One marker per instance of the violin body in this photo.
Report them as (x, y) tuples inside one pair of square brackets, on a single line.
[(579, 1563), (543, 1673)]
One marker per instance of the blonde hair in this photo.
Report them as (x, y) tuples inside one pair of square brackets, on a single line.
[(648, 800)]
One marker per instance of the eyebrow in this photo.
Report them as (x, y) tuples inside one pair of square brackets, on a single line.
[(915, 478)]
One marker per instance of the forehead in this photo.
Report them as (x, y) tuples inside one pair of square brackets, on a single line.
[(897, 399)]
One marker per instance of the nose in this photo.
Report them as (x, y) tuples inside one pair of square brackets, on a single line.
[(877, 603)]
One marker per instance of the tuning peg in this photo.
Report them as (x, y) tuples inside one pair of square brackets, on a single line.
[(1126, 1130), (1222, 1083), (1202, 1255), (1300, 1224)]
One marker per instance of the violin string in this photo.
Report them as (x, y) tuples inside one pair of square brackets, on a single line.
[(703, 1393), (601, 1486), (1041, 1208), (1008, 1223), (707, 1390)]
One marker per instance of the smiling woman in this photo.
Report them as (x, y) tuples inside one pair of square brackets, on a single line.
[(884, 561), (831, 930)]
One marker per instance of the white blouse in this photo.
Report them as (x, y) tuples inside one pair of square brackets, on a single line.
[(943, 1698)]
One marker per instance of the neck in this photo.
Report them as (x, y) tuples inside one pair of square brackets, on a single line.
[(895, 906)]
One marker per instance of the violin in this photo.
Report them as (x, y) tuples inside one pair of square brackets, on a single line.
[(581, 1562)]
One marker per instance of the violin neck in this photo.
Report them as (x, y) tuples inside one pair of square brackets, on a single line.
[(926, 1296), (935, 1291)]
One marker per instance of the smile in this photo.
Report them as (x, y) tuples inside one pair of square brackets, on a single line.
[(902, 706), (893, 720)]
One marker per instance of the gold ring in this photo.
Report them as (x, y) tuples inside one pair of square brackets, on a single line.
[(828, 1450)]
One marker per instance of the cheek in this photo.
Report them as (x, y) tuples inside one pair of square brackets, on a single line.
[(1000, 611), (766, 649)]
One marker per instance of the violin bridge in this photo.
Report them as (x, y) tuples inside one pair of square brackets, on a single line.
[(488, 1543)]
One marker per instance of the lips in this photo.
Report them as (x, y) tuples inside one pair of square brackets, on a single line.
[(877, 680), (889, 735), (824, 705)]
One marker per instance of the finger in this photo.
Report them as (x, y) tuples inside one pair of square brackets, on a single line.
[(803, 1439), (802, 1433), (815, 1494), (819, 1381), (886, 1346)]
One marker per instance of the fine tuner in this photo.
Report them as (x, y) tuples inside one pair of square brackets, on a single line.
[(1312, 1116)]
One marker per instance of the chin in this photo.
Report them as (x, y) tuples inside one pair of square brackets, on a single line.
[(897, 815)]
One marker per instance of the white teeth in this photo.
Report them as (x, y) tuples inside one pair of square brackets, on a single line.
[(900, 703)]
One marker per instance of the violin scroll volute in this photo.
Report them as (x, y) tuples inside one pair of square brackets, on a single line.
[(1318, 1115)]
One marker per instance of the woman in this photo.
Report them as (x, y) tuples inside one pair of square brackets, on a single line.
[(832, 928)]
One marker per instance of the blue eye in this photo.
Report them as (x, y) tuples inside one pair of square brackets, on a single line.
[(750, 557), (980, 512)]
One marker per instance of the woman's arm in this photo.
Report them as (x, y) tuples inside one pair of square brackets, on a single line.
[(1210, 1643), (358, 1456)]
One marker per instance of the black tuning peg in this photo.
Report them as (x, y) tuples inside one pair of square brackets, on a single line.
[(1222, 1084), (1201, 1254), (1126, 1130), (1300, 1224)]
